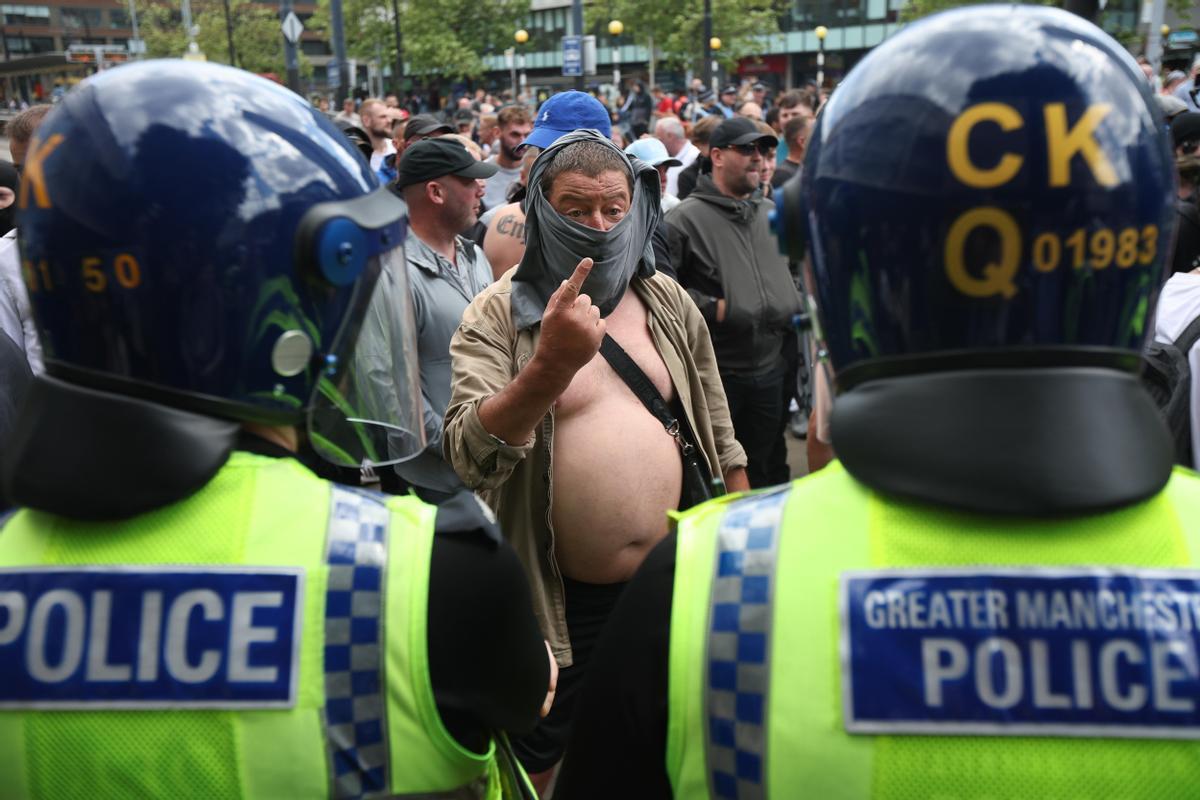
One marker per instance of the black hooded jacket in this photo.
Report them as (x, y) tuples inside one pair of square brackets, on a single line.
[(722, 248)]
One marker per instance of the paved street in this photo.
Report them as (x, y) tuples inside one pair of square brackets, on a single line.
[(797, 456)]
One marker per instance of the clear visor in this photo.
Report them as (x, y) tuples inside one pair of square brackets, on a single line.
[(367, 413)]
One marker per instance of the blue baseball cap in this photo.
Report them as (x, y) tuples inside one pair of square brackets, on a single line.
[(566, 112), (653, 152)]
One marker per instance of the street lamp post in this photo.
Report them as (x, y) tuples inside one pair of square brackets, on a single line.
[(520, 37), (615, 29), (396, 87), (821, 33), (714, 45), (189, 28), (1154, 35), (710, 79)]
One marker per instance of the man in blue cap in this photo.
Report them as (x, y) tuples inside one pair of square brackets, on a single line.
[(563, 113)]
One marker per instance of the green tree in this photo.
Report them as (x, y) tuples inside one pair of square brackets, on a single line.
[(257, 39), (677, 28), (440, 38)]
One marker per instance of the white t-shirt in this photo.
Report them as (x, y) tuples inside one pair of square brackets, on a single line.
[(495, 191), (377, 157), (1178, 305), (686, 156)]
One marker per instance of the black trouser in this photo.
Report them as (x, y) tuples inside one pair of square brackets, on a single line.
[(756, 407), (588, 607), (778, 470)]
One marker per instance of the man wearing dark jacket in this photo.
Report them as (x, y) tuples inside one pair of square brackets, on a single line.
[(725, 256)]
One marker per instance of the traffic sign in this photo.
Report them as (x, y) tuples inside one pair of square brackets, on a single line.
[(572, 56), (332, 71), (292, 27)]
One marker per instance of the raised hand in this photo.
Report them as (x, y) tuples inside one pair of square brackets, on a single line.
[(571, 326)]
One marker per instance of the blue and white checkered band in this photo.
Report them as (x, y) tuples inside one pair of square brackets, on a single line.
[(355, 719), (739, 646)]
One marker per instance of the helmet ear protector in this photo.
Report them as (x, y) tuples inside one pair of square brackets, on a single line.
[(335, 240)]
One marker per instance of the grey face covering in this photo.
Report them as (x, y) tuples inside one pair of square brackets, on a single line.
[(554, 244)]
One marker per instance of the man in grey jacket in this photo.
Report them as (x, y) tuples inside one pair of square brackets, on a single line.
[(725, 256), (443, 186)]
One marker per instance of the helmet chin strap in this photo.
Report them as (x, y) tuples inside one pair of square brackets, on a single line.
[(91, 455)]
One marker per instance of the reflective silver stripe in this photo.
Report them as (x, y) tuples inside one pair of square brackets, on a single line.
[(737, 664), (355, 716)]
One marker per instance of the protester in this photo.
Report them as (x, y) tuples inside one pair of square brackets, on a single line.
[(791, 105), (535, 408), (1188, 90), (654, 153), (442, 184), (795, 135), (1185, 135), (16, 317), (726, 259), (514, 125), (377, 122), (700, 165), (727, 100), (487, 132), (1175, 315), (348, 114), (561, 114)]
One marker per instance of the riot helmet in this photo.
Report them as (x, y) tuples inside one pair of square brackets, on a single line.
[(989, 189), (993, 178), (201, 239)]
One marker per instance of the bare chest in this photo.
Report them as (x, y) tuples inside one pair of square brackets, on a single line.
[(597, 382)]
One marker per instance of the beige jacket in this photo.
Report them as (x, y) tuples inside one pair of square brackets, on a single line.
[(487, 352)]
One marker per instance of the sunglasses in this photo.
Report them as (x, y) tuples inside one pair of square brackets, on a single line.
[(763, 147)]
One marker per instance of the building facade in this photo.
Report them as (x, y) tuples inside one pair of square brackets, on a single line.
[(785, 60)]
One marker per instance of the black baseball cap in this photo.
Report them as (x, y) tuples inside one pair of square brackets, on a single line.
[(729, 89), (425, 125), (735, 131), (1185, 128), (433, 158)]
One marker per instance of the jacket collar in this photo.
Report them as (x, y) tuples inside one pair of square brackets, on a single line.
[(425, 258)]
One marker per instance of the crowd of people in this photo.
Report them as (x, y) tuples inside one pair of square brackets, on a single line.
[(749, 314), (402, 452)]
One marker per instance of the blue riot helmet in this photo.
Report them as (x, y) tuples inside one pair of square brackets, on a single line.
[(990, 188), (198, 238)]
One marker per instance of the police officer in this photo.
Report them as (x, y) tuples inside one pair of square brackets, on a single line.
[(185, 609), (994, 593)]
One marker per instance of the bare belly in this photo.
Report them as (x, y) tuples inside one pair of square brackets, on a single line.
[(616, 473)]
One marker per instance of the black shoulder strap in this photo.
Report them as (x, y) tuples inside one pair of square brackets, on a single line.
[(1189, 337), (637, 381)]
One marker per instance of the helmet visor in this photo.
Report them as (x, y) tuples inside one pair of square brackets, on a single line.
[(366, 411)]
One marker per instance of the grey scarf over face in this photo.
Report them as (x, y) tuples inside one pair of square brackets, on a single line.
[(554, 244)]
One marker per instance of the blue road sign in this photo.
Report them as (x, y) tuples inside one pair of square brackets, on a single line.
[(572, 56)]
